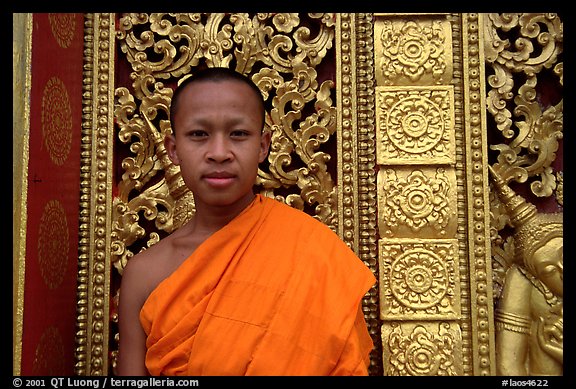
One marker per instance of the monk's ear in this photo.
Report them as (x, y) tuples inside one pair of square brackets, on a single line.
[(170, 145), (265, 140)]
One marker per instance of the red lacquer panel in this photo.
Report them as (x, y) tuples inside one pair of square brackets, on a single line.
[(49, 315)]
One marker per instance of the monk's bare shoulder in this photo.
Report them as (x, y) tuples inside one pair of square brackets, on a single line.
[(147, 269), (152, 265)]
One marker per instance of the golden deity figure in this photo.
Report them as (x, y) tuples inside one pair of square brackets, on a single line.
[(529, 315)]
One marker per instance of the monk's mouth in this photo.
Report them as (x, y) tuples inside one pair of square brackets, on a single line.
[(219, 182)]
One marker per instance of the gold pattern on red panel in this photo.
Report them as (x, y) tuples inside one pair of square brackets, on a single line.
[(49, 355), (53, 244), (56, 120), (63, 27)]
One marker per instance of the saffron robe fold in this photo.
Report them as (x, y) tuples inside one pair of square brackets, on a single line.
[(274, 292)]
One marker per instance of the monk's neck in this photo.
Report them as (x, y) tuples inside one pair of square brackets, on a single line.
[(212, 218)]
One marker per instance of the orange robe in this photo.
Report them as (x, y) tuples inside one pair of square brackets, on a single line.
[(274, 292)]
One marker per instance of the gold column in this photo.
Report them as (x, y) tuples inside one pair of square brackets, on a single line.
[(434, 267), (356, 154), (94, 263)]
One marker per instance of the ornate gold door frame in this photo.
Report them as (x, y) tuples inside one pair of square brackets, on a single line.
[(94, 261), (390, 152)]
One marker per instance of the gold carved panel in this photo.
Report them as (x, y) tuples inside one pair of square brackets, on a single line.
[(423, 348), (417, 202), (412, 50), (380, 129), (419, 279), (433, 255), (415, 125)]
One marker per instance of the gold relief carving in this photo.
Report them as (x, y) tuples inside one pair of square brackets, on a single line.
[(300, 140), (49, 354), (560, 188), (63, 27), (432, 185), (56, 120), (419, 279), (181, 41), (425, 168), (165, 201), (417, 202), (416, 51), (524, 62), (531, 127), (530, 315), (423, 349), (415, 125), (53, 244)]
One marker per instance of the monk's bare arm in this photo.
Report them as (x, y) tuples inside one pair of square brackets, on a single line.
[(132, 347)]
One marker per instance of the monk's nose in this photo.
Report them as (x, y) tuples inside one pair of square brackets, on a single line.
[(219, 149)]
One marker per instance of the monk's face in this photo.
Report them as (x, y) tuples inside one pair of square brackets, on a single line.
[(219, 141)]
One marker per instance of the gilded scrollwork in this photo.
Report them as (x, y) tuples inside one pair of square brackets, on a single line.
[(293, 137), (560, 188), (531, 127), (162, 201)]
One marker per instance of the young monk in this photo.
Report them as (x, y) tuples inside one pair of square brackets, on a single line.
[(249, 286)]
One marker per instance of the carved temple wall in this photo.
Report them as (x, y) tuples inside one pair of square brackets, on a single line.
[(384, 128)]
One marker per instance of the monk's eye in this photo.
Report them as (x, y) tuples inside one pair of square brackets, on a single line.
[(197, 134), (238, 134)]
